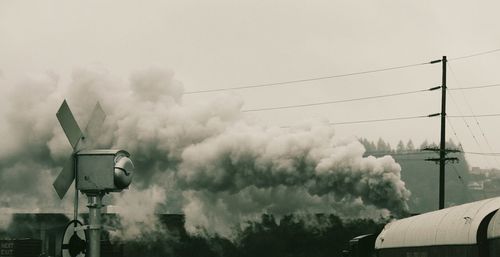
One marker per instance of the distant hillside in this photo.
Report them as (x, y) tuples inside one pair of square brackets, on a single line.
[(422, 177)]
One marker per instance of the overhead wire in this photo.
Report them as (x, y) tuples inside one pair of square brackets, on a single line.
[(477, 115), (463, 119), (457, 172), (335, 101), (296, 81), (473, 114), (473, 87), (381, 120), (455, 133), (411, 159), (290, 82), (418, 152), (482, 153), (394, 153), (466, 124), (460, 144), (376, 120), (475, 54), (453, 129)]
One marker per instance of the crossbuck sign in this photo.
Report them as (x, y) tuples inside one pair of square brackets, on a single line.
[(96, 171)]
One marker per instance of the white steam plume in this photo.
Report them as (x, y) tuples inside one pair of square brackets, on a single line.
[(137, 212), (213, 163)]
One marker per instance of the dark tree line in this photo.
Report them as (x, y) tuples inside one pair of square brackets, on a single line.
[(269, 237)]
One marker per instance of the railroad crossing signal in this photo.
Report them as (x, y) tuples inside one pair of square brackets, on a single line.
[(96, 171), (77, 139), (74, 240)]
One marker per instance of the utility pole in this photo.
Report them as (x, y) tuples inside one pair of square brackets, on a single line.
[(442, 145), (442, 153)]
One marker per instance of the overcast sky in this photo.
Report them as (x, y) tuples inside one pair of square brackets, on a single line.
[(219, 44)]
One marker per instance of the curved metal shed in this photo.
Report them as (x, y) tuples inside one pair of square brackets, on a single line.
[(456, 225), (494, 227)]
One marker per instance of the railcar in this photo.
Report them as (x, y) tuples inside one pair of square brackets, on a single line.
[(361, 246), (468, 230)]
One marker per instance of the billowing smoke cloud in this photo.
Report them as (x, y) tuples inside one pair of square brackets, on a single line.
[(5, 218), (27, 125), (137, 212), (207, 159)]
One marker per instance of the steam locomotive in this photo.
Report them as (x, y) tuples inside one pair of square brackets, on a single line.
[(468, 230)]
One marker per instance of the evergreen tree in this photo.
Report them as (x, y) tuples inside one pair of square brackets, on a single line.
[(400, 147), (382, 146), (410, 146), (424, 144)]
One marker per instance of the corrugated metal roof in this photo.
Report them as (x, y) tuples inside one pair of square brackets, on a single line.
[(450, 226)]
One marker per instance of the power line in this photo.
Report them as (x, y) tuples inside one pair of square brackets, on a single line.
[(465, 121), (477, 115), (289, 82), (474, 87), (453, 129), (468, 127), (394, 153), (410, 159), (474, 55), (376, 120), (455, 133), (335, 101), (419, 153), (481, 153), (380, 120), (472, 112)]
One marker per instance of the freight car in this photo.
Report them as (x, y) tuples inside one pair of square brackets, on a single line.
[(468, 230), (362, 246)]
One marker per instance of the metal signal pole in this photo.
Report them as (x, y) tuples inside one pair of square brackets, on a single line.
[(95, 204)]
